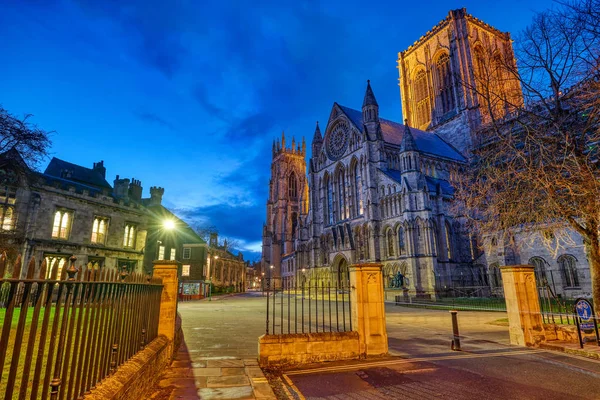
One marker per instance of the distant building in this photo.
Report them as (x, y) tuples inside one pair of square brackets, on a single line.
[(226, 271), (70, 210)]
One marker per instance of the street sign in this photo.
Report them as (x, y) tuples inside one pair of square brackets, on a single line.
[(585, 319), (585, 313)]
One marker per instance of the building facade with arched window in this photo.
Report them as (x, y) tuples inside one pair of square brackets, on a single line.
[(376, 190)]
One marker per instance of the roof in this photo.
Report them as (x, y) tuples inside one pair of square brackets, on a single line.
[(80, 174), (392, 132), (188, 235), (445, 186), (432, 183)]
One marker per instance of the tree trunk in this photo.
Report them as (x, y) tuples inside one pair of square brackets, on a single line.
[(593, 248)]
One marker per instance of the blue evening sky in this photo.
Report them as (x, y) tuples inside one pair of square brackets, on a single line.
[(188, 95)]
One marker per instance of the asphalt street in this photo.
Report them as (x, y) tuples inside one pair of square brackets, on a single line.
[(421, 364)]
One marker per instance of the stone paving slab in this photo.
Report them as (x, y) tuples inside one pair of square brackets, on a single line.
[(218, 357)]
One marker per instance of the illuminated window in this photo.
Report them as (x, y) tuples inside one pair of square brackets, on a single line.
[(185, 270), (292, 186), (8, 196), (99, 228), (357, 187), (421, 96), (129, 236), (172, 256), (61, 226), (55, 261), (161, 252), (187, 253), (445, 97)]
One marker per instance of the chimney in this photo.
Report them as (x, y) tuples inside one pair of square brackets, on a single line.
[(135, 190), (156, 194), (121, 188), (99, 168)]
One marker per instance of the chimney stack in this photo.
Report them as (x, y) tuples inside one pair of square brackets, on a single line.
[(135, 190), (156, 194), (99, 168)]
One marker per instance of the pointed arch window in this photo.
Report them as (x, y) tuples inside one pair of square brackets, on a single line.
[(390, 243), (292, 186), (568, 270), (357, 189), (401, 242), (448, 236), (329, 186), (341, 181), (539, 265), (421, 96), (445, 99)]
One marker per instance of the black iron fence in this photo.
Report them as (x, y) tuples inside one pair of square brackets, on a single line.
[(456, 298), (307, 307), (62, 335), (555, 309)]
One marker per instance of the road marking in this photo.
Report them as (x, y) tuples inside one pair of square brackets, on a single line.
[(411, 360), (294, 388)]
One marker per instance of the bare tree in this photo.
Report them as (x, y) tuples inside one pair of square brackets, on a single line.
[(535, 162), (32, 142), (205, 232)]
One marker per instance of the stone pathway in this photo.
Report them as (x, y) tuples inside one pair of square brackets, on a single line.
[(217, 359)]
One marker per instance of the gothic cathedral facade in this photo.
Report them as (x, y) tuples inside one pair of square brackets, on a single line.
[(379, 190)]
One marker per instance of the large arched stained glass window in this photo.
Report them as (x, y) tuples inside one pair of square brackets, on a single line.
[(421, 96), (445, 98), (357, 189), (329, 185), (292, 186), (341, 181), (401, 242)]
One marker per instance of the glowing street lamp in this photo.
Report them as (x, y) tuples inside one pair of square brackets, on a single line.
[(169, 224)]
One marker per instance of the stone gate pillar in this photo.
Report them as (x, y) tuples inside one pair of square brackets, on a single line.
[(167, 271), (522, 305), (368, 308)]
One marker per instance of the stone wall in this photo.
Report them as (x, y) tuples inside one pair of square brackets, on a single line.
[(133, 378), (294, 349)]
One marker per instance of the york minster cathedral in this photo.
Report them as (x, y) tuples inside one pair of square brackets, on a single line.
[(377, 190)]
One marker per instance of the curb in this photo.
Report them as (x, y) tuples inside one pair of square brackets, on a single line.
[(568, 350)]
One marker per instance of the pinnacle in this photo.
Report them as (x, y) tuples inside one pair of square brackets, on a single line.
[(369, 96), (408, 141)]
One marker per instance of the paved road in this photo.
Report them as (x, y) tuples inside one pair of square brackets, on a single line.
[(422, 365)]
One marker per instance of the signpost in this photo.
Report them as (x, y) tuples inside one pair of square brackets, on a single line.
[(585, 319)]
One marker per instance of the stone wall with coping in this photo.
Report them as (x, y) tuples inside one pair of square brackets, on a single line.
[(132, 379), (295, 349)]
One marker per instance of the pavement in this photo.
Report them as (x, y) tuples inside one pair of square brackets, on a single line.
[(218, 357), (218, 360)]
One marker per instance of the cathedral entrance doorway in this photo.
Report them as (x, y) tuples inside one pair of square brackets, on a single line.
[(341, 272)]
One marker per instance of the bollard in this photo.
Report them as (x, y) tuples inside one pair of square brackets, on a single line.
[(456, 337)]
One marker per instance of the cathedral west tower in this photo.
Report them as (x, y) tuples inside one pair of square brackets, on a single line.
[(287, 203)]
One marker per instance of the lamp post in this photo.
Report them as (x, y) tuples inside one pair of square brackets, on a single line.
[(208, 275)]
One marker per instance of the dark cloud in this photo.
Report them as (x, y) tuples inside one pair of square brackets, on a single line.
[(155, 119)]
